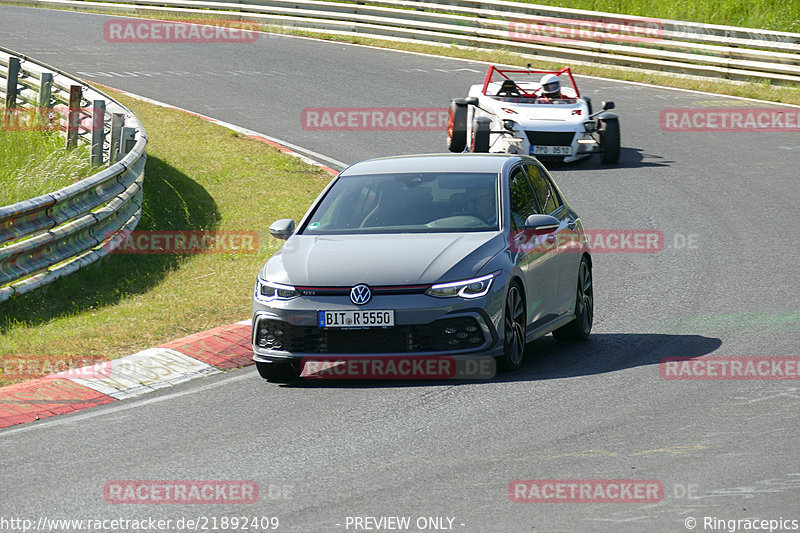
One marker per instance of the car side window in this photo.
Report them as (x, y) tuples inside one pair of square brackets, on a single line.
[(523, 202), (545, 192)]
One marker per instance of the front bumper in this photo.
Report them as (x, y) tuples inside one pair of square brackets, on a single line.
[(424, 326), (583, 144)]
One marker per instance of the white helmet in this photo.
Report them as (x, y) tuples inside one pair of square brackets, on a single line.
[(550, 84)]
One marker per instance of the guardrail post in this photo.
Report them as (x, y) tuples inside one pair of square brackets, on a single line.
[(128, 139), (54, 235), (117, 122), (73, 115), (12, 83), (98, 131), (44, 105)]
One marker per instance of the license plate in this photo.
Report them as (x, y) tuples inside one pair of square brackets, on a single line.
[(552, 150), (374, 318)]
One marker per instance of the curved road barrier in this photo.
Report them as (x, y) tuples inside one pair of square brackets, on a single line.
[(544, 32), (55, 234)]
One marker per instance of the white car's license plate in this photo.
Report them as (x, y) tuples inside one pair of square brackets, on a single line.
[(373, 318), (552, 150)]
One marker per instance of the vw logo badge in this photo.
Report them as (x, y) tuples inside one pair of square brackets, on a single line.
[(360, 294)]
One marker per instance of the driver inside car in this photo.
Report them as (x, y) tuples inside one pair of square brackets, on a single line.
[(481, 203), (551, 87)]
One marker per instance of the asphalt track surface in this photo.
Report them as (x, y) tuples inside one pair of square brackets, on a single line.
[(322, 452)]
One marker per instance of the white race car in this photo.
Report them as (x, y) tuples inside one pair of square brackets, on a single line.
[(536, 117)]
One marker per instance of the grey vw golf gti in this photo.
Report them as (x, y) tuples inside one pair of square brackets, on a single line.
[(463, 255)]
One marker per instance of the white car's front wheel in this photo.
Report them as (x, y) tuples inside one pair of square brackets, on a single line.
[(610, 141), (457, 126)]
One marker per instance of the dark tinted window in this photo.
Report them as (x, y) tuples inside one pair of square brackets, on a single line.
[(523, 203), (545, 192)]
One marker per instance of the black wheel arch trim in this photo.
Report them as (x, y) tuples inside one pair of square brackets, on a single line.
[(608, 116)]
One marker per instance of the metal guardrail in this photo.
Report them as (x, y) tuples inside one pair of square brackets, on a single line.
[(545, 32), (55, 234)]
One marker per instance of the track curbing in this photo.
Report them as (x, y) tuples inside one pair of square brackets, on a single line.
[(201, 354)]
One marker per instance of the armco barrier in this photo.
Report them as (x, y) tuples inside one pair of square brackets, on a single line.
[(545, 32), (55, 234)]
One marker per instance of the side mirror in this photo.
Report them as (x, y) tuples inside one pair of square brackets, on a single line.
[(282, 229), (608, 105), (541, 224)]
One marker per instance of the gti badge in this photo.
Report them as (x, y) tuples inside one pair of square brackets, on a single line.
[(360, 294)]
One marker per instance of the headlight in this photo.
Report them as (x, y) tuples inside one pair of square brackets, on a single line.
[(468, 288), (266, 291)]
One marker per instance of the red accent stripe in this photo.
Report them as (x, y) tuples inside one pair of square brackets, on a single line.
[(373, 289)]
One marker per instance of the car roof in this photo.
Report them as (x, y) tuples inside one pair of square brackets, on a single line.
[(434, 163)]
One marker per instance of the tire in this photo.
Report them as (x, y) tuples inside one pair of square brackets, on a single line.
[(277, 372), (481, 128), (580, 328), (514, 326), (457, 126), (609, 141)]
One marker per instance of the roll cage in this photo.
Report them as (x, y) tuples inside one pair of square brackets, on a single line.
[(503, 73)]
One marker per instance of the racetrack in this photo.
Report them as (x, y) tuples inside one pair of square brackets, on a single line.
[(725, 283)]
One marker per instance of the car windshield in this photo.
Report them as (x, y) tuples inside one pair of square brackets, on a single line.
[(407, 203)]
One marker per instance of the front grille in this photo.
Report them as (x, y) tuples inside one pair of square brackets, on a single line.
[(550, 138), (460, 333), (376, 291)]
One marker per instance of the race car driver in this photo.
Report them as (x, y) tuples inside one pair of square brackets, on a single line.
[(551, 87)]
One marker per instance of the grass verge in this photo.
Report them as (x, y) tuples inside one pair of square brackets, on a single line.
[(777, 15), (206, 178), (33, 163)]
